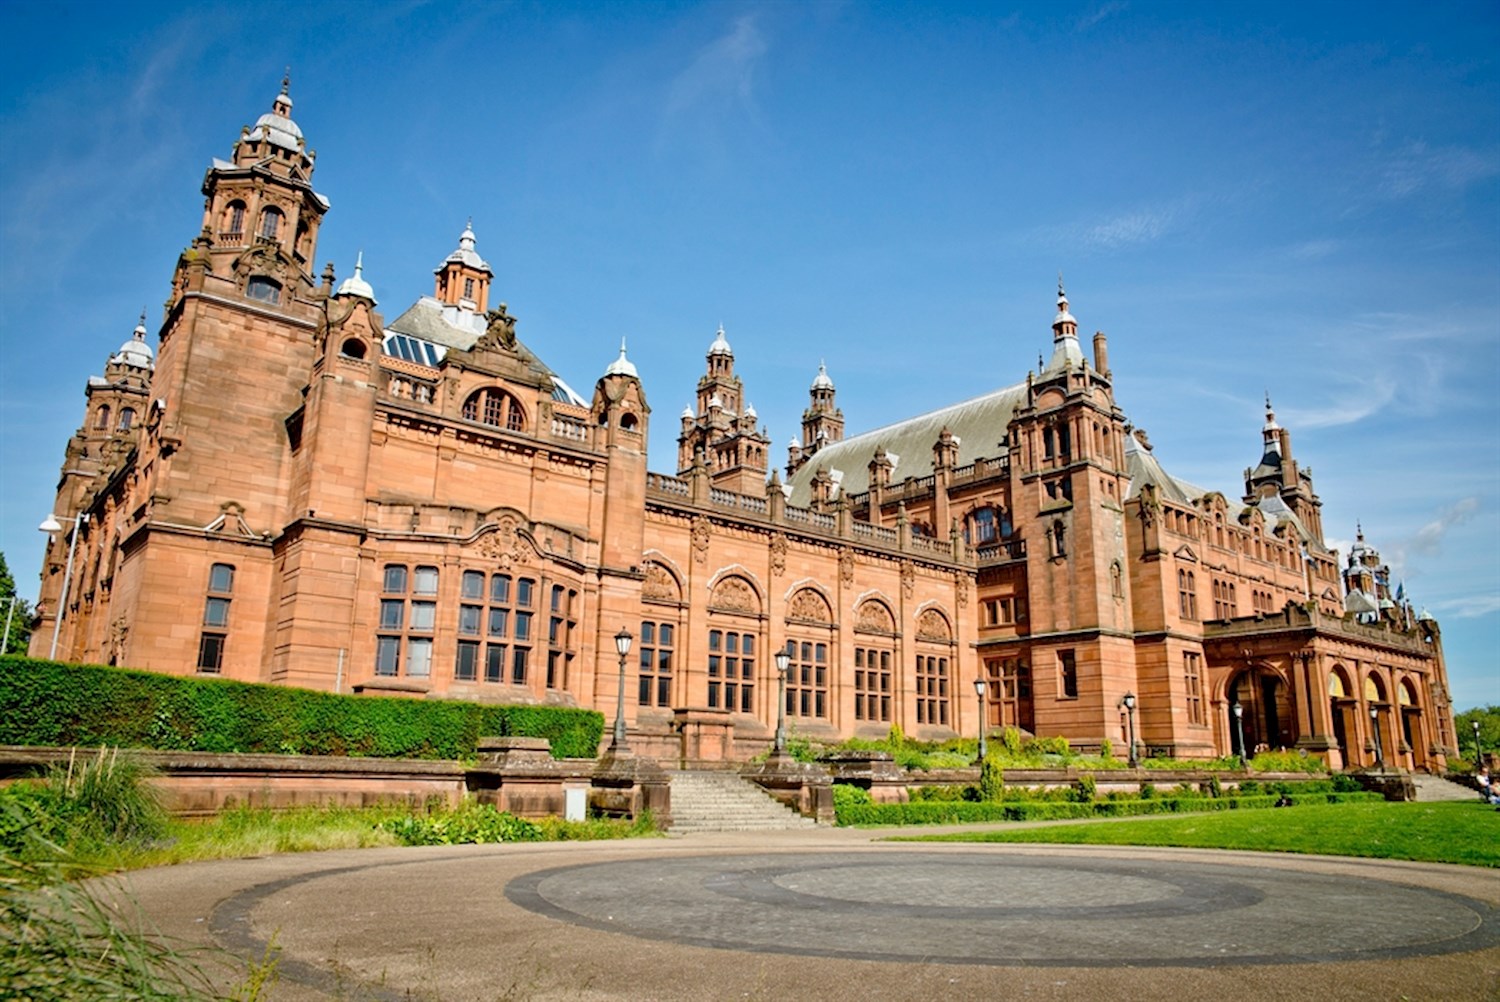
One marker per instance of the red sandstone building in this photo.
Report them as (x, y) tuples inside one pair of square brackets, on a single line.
[(292, 489)]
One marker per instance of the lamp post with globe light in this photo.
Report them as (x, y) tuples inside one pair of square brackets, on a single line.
[(617, 743), (50, 525), (783, 662), (1239, 727), (1128, 701), (979, 690)]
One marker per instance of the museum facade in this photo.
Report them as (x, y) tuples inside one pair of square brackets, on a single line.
[(291, 489)]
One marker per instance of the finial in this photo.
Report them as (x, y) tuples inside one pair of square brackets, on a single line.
[(1041, 364), (359, 262), (1359, 531), (1060, 293), (622, 346), (140, 326), (286, 80)]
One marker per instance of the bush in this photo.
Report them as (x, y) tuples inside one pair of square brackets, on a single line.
[(1010, 740), (960, 812), (1283, 761), (846, 796), (48, 703), (84, 808), (991, 781), (1085, 790), (470, 823)]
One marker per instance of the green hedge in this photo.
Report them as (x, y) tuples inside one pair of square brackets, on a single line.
[(945, 812), (48, 703)]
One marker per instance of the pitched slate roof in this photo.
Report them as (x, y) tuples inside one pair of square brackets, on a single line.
[(978, 425)]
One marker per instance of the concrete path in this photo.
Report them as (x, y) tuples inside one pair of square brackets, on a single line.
[(833, 914)]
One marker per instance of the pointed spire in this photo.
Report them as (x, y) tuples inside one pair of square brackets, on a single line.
[(140, 326), (466, 239), (821, 380), (721, 344)]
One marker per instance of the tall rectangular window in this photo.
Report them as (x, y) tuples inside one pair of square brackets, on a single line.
[(1192, 685), (731, 670), (807, 679), (408, 618), (562, 625), (654, 687), (491, 613), (932, 689), (1068, 674), (215, 618), (872, 684)]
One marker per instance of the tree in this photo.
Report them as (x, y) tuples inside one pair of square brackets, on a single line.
[(1489, 730), (16, 641)]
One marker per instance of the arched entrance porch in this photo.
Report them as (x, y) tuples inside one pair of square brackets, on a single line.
[(1266, 721)]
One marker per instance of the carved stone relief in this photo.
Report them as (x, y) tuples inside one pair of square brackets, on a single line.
[(701, 535), (735, 595), (875, 617), (660, 584), (810, 606), (933, 625), (846, 567), (908, 579), (778, 554)]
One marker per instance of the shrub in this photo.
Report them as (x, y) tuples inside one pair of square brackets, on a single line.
[(1085, 790), (991, 781), (1148, 791), (48, 703), (1213, 787), (846, 796), (1010, 740), (471, 822), (1283, 761), (1055, 745)]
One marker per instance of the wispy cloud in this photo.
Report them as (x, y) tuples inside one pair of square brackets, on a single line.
[(1141, 227), (1428, 540), (721, 73), (1099, 13), (1417, 167), (1468, 607), (1364, 398), (1314, 250)]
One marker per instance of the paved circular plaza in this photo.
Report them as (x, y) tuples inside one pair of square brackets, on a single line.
[(836, 916)]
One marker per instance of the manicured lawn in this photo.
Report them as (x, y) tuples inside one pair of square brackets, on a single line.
[(1437, 833)]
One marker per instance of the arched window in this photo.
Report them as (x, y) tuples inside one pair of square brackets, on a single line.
[(353, 348), (628, 421), (101, 423), (983, 523), (232, 226), (266, 290), (1058, 538), (270, 223), (496, 408), (127, 419)]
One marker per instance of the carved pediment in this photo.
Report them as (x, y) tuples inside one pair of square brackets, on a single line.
[(933, 625), (809, 606), (874, 617), (735, 595), (1186, 553), (660, 585)]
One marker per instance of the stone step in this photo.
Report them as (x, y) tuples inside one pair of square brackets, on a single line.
[(708, 802), (1435, 788)]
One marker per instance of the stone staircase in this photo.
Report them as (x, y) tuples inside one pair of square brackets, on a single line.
[(1437, 788), (723, 802)]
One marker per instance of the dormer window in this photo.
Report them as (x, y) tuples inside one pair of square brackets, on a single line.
[(127, 419)]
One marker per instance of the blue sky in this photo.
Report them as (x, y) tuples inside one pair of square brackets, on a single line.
[(1295, 198)]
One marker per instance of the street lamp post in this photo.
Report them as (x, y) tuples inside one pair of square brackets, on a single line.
[(1239, 727), (783, 663), (1375, 727), (617, 743), (1478, 748), (979, 690), (49, 526), (1128, 701)]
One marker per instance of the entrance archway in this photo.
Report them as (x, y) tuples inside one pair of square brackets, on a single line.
[(1267, 718)]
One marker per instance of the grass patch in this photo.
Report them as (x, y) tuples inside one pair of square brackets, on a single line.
[(1467, 833)]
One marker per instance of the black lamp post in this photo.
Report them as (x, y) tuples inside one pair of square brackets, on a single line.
[(1128, 701), (979, 690), (1478, 748), (783, 664), (1375, 727), (617, 743), (1239, 727)]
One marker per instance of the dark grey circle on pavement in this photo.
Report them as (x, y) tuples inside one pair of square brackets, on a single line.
[(1009, 910)]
